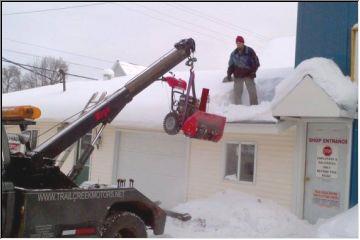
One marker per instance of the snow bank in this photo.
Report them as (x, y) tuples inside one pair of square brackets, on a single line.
[(328, 76), (233, 214), (343, 225)]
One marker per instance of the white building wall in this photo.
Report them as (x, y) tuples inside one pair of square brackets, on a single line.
[(274, 163), (101, 165)]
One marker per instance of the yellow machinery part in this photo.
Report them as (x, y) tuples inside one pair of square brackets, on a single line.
[(20, 113)]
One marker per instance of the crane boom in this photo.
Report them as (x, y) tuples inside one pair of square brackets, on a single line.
[(106, 111)]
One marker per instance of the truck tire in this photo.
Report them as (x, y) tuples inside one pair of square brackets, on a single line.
[(124, 225)]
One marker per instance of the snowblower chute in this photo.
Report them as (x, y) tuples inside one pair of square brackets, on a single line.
[(188, 113)]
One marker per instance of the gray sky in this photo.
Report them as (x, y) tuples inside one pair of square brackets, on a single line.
[(141, 32)]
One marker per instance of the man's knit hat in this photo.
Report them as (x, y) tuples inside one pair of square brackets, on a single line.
[(240, 39)]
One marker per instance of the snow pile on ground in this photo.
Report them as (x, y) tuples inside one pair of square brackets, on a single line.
[(328, 76), (233, 214), (343, 225)]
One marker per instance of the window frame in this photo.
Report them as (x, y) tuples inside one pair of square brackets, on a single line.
[(238, 170), (77, 153)]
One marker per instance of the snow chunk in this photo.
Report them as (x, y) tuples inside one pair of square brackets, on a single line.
[(232, 214), (326, 75), (342, 225)]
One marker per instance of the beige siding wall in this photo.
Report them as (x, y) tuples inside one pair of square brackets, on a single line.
[(102, 159), (274, 167)]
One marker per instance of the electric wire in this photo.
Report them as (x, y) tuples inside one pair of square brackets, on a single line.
[(37, 56), (52, 9), (187, 22), (59, 50), (26, 65), (33, 71), (217, 20), (173, 24)]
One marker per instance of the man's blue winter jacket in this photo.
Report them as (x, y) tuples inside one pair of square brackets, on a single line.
[(244, 63)]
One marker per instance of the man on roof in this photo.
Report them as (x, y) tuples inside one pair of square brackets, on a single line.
[(243, 63)]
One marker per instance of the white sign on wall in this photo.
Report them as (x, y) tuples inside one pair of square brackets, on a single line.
[(327, 161)]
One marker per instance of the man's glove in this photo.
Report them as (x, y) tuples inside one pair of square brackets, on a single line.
[(227, 79), (252, 75)]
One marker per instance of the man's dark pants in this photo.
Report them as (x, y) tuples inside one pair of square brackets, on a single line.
[(251, 87)]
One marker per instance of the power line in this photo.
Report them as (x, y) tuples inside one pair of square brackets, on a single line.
[(52, 9), (26, 65), (59, 50), (173, 24), (218, 21), (37, 56), (22, 66), (187, 22)]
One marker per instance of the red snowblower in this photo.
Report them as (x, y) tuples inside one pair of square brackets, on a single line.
[(188, 113)]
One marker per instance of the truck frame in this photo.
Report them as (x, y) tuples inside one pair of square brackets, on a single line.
[(38, 200)]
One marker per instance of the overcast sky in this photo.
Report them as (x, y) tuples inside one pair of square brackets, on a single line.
[(140, 32)]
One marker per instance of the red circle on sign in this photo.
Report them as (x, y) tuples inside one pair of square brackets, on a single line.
[(327, 151)]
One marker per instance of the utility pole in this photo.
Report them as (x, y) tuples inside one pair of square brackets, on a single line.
[(62, 77)]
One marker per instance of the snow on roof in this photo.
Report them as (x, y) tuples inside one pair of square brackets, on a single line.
[(327, 75), (148, 109)]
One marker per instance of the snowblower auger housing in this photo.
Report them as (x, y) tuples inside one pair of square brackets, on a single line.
[(189, 114)]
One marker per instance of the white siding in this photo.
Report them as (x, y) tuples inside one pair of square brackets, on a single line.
[(274, 163), (101, 165), (157, 162)]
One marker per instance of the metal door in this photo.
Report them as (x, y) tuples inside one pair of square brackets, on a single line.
[(326, 172)]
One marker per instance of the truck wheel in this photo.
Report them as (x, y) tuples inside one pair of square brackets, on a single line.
[(171, 123), (124, 225)]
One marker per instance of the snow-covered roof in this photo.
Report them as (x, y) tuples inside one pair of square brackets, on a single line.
[(327, 76), (148, 109)]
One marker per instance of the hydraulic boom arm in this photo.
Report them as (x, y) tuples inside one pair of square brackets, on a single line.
[(106, 111)]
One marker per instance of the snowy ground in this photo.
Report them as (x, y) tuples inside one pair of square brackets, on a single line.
[(232, 214)]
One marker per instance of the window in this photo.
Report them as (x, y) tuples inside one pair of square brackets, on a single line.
[(240, 161), (81, 146)]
